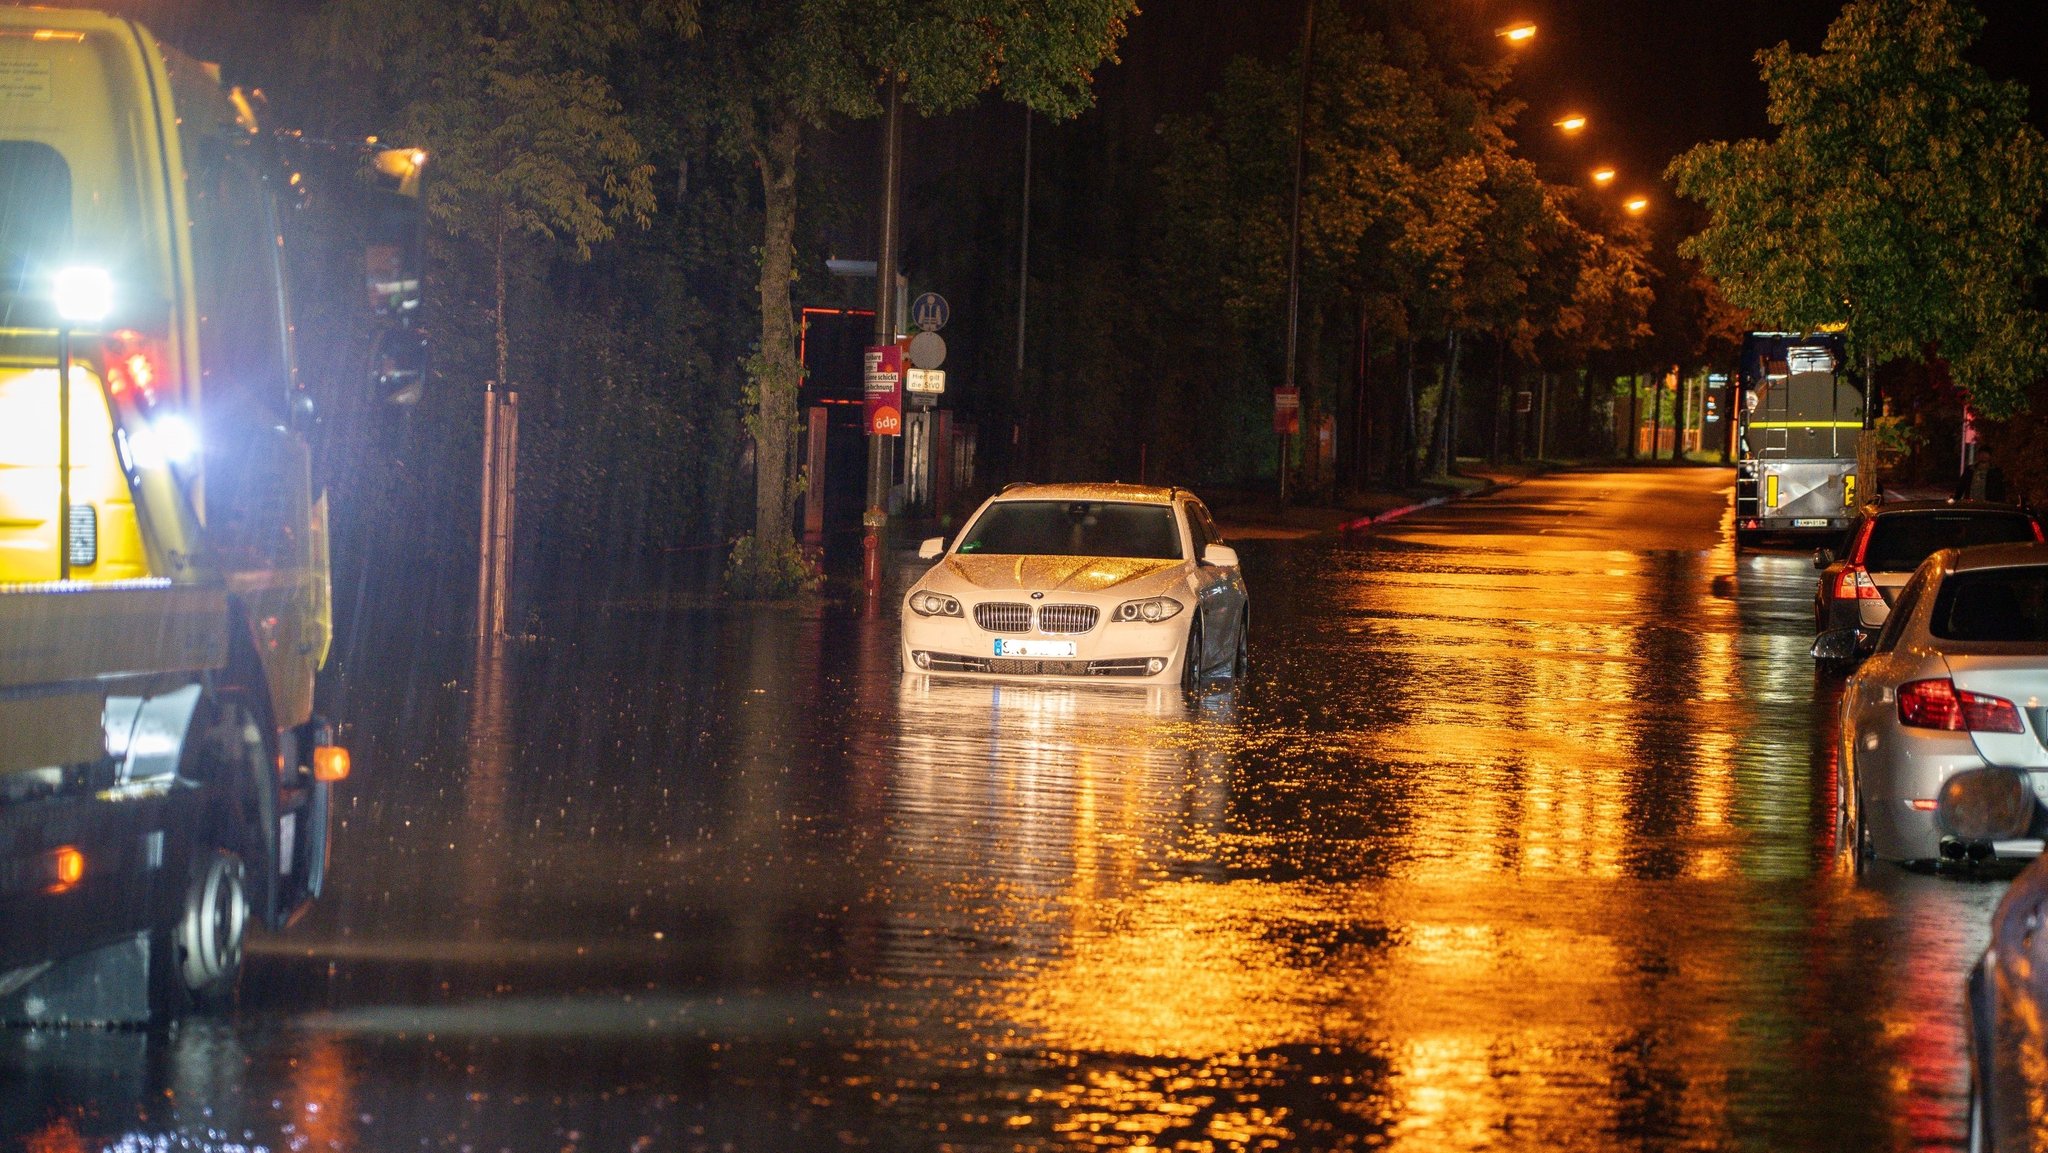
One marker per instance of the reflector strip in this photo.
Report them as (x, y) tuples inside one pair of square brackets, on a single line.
[(1806, 424), (1771, 490)]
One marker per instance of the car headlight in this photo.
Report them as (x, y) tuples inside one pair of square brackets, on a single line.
[(934, 605), (1149, 609)]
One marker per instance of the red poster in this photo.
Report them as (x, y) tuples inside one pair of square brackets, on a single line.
[(883, 379), (1286, 411)]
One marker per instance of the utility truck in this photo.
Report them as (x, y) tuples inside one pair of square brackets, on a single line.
[(165, 779), (1798, 420)]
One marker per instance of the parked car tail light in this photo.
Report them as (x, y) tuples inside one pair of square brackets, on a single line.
[(1938, 704), (1855, 584)]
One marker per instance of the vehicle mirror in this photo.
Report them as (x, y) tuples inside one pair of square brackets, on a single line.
[(932, 549), (1835, 645), (1823, 557), (1986, 805), (394, 268), (1219, 556)]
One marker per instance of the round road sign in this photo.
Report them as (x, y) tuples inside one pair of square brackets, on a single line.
[(927, 350)]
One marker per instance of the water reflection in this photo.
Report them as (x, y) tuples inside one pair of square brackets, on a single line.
[(1518, 838)]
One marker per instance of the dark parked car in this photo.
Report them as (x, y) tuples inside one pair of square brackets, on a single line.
[(1885, 545)]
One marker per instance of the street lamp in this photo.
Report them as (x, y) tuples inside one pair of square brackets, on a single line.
[(1570, 122), (1603, 176), (82, 296), (1518, 34), (1636, 204)]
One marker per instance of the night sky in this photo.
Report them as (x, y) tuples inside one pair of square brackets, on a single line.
[(1655, 77)]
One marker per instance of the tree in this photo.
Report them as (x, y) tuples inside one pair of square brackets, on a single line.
[(1902, 196), (528, 143), (790, 66)]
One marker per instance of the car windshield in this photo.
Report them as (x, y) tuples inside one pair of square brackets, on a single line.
[(1999, 604), (1075, 528), (1899, 543)]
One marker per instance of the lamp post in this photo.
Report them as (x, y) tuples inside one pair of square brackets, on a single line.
[(881, 453), (82, 296), (1308, 32)]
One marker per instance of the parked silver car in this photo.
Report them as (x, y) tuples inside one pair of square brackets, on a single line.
[(1958, 680), (2007, 1002)]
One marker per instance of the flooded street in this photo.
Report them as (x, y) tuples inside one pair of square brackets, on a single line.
[(1522, 835)]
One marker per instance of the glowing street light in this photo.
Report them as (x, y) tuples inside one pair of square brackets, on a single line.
[(1603, 176), (1636, 204), (1571, 122), (1518, 34)]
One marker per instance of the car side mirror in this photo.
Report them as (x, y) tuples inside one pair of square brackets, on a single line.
[(1985, 805), (932, 549), (1838, 645), (1823, 557), (1219, 556)]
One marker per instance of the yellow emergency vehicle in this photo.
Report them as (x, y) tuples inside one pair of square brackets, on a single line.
[(164, 589)]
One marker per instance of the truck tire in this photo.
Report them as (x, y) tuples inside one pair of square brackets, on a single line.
[(207, 940)]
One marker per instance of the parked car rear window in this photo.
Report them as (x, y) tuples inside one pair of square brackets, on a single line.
[(1898, 543), (1998, 604), (1075, 528)]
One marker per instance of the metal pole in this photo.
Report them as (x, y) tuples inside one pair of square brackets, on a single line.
[(876, 519), (64, 452), (1024, 251), (487, 532), (1308, 31)]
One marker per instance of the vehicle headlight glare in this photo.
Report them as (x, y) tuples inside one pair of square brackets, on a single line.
[(1150, 609), (82, 295), (929, 604), (176, 439)]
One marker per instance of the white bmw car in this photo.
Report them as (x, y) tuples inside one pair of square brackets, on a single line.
[(1093, 582)]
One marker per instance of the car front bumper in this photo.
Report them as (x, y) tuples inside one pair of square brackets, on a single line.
[(1121, 651)]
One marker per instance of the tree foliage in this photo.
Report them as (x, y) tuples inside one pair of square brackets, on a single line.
[(787, 66), (1902, 195)]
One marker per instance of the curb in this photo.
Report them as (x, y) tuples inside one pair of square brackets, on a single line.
[(1366, 522)]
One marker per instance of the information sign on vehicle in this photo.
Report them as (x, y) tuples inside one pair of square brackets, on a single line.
[(1012, 648)]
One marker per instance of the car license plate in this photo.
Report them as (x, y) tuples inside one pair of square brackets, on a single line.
[(1810, 522), (1009, 648)]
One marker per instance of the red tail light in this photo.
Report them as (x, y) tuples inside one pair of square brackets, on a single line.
[(1855, 584), (1937, 704), (132, 363)]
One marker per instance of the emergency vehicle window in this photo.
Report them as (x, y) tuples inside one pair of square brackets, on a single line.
[(35, 212), (244, 366)]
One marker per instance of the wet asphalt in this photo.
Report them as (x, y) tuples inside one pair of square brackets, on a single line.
[(1521, 836)]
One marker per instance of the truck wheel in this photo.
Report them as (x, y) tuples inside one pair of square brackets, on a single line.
[(195, 962)]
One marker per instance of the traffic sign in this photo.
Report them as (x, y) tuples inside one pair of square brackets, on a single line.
[(924, 380), (930, 312), (927, 350)]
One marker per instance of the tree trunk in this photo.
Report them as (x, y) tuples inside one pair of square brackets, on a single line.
[(775, 369), (1440, 442), (498, 311), (1405, 474)]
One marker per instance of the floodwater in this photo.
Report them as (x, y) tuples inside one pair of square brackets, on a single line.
[(1522, 836)]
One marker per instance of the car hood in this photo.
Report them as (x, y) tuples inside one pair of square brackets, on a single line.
[(1073, 574)]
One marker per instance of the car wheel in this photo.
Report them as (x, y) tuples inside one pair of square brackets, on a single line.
[(1191, 664), (1863, 850)]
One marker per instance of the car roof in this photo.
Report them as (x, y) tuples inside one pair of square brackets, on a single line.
[(1985, 556), (1893, 508), (1128, 493)]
